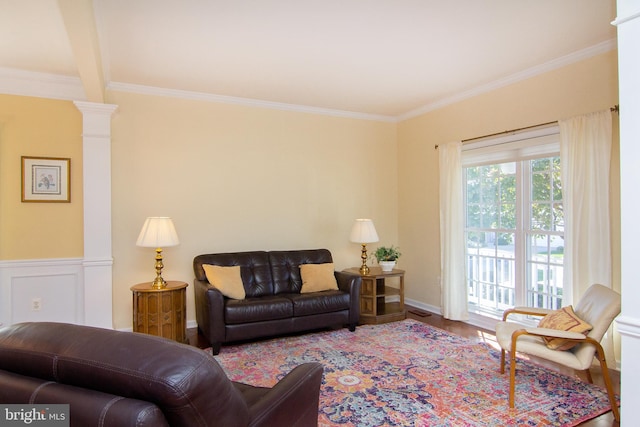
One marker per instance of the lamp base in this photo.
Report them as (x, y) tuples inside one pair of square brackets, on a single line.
[(364, 269), (159, 282)]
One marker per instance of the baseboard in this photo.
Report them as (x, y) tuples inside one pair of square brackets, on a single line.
[(422, 306), (190, 325)]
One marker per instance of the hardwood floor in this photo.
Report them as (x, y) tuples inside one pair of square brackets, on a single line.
[(479, 335)]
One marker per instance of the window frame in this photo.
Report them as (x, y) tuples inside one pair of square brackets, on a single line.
[(518, 147)]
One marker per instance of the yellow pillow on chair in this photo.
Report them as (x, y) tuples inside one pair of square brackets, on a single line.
[(563, 320)]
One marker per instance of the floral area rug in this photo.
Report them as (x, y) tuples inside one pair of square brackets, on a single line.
[(411, 374)]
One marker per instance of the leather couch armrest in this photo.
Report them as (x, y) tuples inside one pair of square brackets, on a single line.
[(351, 283), (209, 303), (345, 281), (90, 407), (293, 401)]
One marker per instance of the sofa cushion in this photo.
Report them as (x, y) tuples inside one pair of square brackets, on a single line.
[(226, 279), (317, 277), (285, 267), (255, 269), (319, 302), (257, 309)]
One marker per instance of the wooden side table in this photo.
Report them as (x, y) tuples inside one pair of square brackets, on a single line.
[(161, 312), (374, 308)]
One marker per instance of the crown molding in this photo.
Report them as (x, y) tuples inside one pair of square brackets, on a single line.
[(626, 18), (224, 99), (41, 85), (54, 86), (546, 67)]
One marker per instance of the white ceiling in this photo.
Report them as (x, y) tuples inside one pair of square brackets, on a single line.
[(386, 58)]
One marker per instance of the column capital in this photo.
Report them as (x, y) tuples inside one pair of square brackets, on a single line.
[(95, 107), (96, 118)]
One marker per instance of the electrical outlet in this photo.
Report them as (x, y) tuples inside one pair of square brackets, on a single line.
[(36, 304)]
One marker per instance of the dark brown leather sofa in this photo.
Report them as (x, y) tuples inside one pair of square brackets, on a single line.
[(120, 379), (273, 303)]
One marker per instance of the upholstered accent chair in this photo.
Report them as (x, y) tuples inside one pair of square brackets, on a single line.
[(598, 308)]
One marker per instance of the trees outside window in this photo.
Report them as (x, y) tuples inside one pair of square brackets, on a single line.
[(514, 228)]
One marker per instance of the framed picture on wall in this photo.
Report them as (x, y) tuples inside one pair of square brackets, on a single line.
[(46, 179)]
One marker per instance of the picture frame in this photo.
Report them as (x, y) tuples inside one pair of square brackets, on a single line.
[(46, 179)]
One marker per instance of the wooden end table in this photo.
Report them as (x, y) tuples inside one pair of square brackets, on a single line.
[(374, 308), (161, 312)]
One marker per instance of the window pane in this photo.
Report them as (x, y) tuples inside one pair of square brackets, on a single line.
[(537, 248), (488, 187), (540, 216), (507, 208), (508, 188), (493, 249), (506, 245), (558, 217), (557, 183), (473, 185), (544, 289), (539, 165), (508, 216), (556, 253), (473, 215), (541, 186), (489, 216)]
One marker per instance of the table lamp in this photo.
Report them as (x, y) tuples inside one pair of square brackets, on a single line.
[(364, 232), (158, 232)]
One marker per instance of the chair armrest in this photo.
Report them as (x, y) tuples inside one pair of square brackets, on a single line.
[(531, 311), (293, 401), (554, 333)]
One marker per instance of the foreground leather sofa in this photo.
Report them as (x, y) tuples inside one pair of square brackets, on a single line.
[(120, 379), (273, 304)]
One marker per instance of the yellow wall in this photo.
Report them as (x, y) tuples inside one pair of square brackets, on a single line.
[(39, 128), (580, 88), (237, 178)]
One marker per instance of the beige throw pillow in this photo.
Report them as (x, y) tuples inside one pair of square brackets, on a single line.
[(317, 277), (563, 320), (226, 279)]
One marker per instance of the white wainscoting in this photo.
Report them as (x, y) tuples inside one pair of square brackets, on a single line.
[(55, 286)]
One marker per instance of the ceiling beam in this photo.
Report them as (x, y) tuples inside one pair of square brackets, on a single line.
[(79, 21)]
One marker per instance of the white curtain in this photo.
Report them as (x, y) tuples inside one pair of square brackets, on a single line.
[(452, 251), (585, 155)]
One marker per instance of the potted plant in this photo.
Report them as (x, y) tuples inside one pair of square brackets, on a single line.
[(387, 257)]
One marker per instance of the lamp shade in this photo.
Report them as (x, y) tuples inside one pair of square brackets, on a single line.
[(364, 231), (158, 232)]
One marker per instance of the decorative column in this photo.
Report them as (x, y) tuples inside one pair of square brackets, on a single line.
[(628, 23), (96, 178)]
